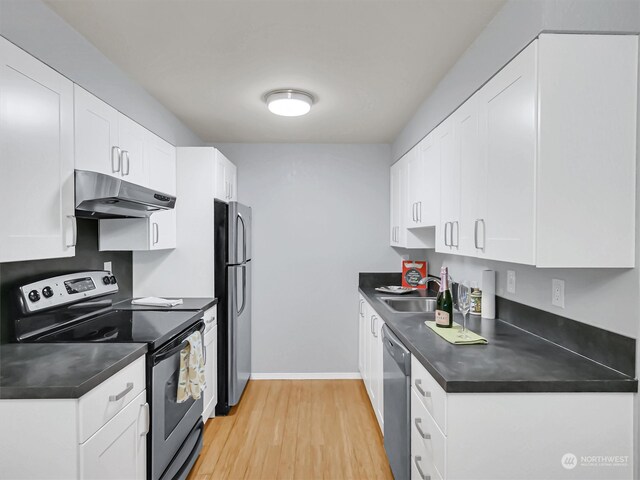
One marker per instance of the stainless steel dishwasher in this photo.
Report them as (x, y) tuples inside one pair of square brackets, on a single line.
[(396, 384)]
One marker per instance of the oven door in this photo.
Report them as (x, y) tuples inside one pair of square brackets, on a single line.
[(172, 422)]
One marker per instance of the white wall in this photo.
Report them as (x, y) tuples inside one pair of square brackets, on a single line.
[(33, 26), (320, 216)]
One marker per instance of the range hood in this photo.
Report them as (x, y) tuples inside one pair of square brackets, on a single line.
[(103, 196)]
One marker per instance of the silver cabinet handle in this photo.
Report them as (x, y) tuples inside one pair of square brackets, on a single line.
[(375, 326), (125, 154), (422, 392), (115, 398), (417, 459), (371, 324), (147, 419), (210, 321), (116, 159), (484, 234), (457, 244), (74, 222), (415, 212), (418, 422), (419, 212), (446, 227), (156, 233), (361, 305), (475, 234)]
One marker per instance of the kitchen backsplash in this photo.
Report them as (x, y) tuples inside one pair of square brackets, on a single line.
[(87, 258)]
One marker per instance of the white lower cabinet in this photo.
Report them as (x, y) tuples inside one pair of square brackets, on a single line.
[(118, 450), (370, 357), (211, 363), (512, 436), (101, 435)]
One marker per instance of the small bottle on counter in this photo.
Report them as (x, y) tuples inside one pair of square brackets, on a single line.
[(476, 300), (444, 301)]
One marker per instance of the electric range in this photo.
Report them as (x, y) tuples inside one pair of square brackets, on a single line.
[(76, 308)]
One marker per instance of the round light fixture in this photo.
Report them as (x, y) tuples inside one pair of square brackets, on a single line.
[(289, 103)]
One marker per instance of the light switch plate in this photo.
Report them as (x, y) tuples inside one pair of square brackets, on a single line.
[(557, 293), (107, 266), (511, 281)]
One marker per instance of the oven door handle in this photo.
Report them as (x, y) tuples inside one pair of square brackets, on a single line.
[(161, 356)]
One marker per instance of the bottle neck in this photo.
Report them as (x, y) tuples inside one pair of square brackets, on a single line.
[(444, 279)]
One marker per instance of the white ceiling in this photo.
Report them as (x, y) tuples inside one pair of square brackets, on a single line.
[(369, 63)]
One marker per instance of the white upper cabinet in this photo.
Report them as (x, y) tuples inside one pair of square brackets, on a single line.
[(37, 159), (538, 167), (133, 139), (506, 229), (226, 180), (586, 168), (447, 233), (161, 163), (396, 207), (96, 134)]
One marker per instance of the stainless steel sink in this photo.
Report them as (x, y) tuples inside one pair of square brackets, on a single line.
[(410, 304)]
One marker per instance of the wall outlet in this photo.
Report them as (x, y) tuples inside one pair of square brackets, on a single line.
[(107, 266), (557, 293), (511, 281)]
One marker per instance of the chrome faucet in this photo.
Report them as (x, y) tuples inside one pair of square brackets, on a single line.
[(426, 280)]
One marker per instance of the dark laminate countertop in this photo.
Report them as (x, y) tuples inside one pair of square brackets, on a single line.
[(513, 361), (61, 370), (190, 304)]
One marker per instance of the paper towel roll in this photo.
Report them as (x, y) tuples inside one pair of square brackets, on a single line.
[(488, 294)]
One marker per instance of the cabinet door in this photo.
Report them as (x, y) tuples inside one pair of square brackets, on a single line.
[(118, 450), (210, 393), (161, 163), (162, 230), (395, 210), (446, 237), (37, 159), (361, 335), (232, 179), (472, 177), (132, 140), (508, 129), (415, 184), (96, 134), (428, 197), (379, 373)]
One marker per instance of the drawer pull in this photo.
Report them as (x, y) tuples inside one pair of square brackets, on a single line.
[(420, 390), (115, 398), (417, 460), (418, 422)]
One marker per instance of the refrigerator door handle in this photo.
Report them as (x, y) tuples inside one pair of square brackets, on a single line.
[(244, 239), (244, 289)]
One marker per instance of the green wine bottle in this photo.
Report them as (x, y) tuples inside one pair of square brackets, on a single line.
[(444, 301)]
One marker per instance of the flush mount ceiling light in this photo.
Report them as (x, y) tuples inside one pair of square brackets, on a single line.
[(289, 103)]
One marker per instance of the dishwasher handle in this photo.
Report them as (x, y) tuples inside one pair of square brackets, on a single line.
[(396, 350)]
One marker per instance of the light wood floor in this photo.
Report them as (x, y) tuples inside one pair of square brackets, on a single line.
[(302, 429)]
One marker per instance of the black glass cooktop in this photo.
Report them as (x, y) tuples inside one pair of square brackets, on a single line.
[(122, 326)]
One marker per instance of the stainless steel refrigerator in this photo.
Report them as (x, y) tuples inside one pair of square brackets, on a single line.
[(232, 270)]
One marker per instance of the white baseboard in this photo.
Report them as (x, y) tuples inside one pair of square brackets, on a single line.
[(307, 376)]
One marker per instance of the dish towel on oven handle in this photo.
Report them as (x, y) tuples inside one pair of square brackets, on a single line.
[(191, 381)]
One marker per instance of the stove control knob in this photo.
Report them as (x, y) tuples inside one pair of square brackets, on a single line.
[(34, 296), (113, 280), (47, 292), (106, 280)]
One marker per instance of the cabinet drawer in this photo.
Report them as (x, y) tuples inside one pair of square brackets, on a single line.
[(210, 318), (432, 448), (104, 402), (118, 449), (430, 393), (422, 467)]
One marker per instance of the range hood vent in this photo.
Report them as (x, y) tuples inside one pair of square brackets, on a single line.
[(103, 196)]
